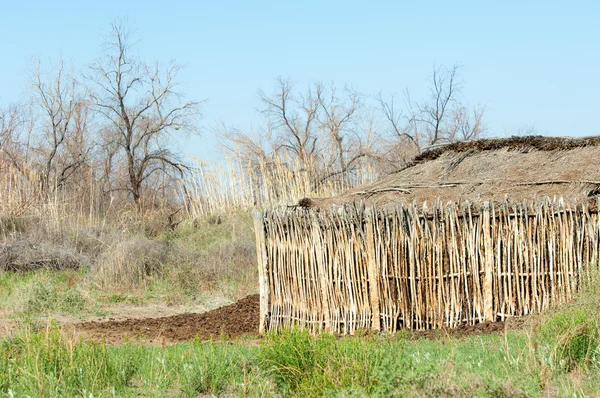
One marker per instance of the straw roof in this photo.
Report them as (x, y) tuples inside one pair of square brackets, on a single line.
[(517, 168)]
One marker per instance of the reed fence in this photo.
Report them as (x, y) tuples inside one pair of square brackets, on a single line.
[(344, 269)]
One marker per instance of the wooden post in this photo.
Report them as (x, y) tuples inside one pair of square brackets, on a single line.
[(372, 267), (488, 252), (321, 266), (263, 280)]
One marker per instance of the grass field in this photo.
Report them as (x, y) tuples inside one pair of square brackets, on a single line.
[(49, 363), (554, 354), (202, 265)]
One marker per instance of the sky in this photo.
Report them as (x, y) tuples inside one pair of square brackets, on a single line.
[(530, 63)]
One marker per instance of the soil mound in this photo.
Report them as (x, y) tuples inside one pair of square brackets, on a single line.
[(517, 168), (233, 321), (459, 332)]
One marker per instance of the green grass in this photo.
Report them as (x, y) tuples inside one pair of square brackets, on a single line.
[(43, 292), (49, 363)]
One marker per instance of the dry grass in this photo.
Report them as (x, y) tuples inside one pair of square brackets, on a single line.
[(132, 262), (196, 246), (520, 169), (221, 188), (26, 255)]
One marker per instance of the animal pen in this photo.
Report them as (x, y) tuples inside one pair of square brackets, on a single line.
[(466, 233), (351, 267)]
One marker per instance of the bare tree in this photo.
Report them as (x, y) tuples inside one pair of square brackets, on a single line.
[(318, 128), (404, 136), (440, 118), (293, 121), (15, 130), (335, 118), (64, 142), (403, 127), (467, 124), (316, 133), (144, 110), (433, 113)]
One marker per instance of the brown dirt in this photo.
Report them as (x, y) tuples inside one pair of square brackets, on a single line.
[(235, 320), (518, 168), (462, 331)]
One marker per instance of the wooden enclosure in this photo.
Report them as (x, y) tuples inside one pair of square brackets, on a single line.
[(350, 268)]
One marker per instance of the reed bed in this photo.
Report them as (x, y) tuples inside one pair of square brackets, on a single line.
[(211, 188), (344, 269), (236, 185), (23, 200)]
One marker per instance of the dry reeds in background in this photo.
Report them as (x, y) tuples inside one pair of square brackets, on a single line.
[(196, 235), (211, 188), (351, 268), (220, 188)]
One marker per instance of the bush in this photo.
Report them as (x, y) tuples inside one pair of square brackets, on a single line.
[(216, 258), (44, 294), (570, 338), (131, 262), (314, 366), (72, 301), (40, 298), (24, 255)]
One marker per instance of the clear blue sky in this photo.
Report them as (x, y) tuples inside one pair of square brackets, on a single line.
[(530, 62)]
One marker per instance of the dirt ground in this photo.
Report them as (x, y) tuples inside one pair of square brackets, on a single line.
[(235, 320), (466, 330)]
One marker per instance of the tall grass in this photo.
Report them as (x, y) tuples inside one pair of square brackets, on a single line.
[(568, 338), (191, 241), (557, 356), (210, 188), (217, 188), (52, 363)]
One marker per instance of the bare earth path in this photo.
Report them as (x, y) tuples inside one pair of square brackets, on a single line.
[(235, 320), (145, 322), (154, 324)]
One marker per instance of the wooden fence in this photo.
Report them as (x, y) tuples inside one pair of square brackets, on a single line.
[(352, 268)]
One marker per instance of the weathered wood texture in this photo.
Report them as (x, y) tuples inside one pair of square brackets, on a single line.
[(341, 270)]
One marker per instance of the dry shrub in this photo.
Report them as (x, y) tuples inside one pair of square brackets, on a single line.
[(25, 255), (132, 262), (93, 240), (228, 266), (11, 225), (229, 258)]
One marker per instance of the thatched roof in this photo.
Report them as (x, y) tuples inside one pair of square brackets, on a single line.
[(519, 168)]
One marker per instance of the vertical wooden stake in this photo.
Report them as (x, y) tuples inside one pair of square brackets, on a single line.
[(263, 280), (370, 218), (488, 250), (321, 267)]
